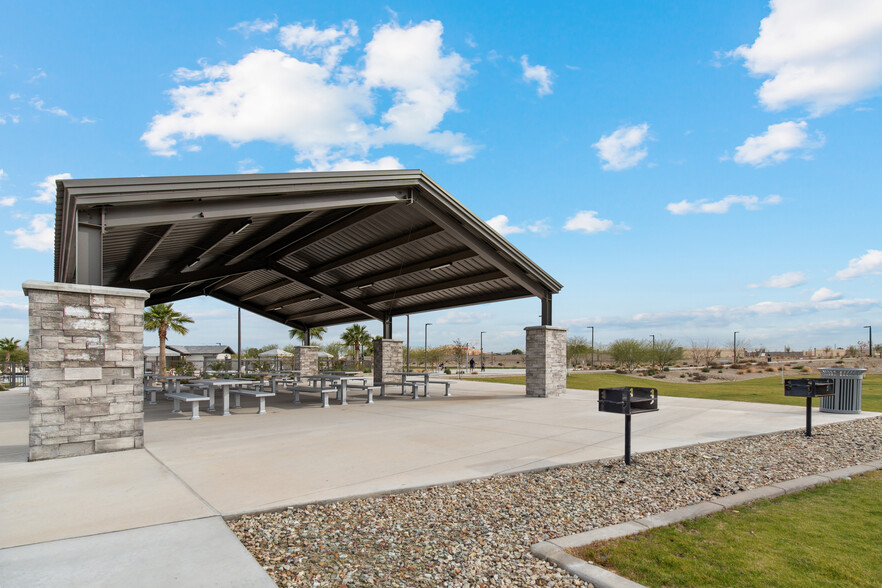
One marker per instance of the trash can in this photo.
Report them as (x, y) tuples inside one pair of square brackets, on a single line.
[(847, 383)]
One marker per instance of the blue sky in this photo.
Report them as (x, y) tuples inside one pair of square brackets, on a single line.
[(685, 169)]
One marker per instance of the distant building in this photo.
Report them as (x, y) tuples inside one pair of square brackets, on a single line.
[(201, 356)]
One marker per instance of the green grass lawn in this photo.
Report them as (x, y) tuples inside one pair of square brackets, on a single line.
[(769, 390), (826, 536)]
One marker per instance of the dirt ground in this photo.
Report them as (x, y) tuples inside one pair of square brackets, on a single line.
[(749, 371)]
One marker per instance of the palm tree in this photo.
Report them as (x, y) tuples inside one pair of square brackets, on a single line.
[(162, 317), (315, 334), (9, 345), (355, 337)]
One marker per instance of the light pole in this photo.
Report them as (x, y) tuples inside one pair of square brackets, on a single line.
[(408, 344), (482, 349), (653, 350), (734, 348), (426, 346), (871, 338), (592, 345)]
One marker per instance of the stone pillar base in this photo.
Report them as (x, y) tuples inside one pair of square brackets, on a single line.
[(306, 360), (387, 358), (87, 368), (546, 359)]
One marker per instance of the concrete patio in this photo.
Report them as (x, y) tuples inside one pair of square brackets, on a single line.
[(192, 471)]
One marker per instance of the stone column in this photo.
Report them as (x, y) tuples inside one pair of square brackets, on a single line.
[(306, 360), (86, 348), (387, 358), (546, 359)]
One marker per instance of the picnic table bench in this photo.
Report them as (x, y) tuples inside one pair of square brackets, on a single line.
[(256, 393), (324, 391), (193, 399)]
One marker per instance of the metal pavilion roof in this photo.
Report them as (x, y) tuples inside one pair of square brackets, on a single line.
[(303, 249)]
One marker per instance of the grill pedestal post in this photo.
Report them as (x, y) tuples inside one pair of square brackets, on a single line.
[(627, 439)]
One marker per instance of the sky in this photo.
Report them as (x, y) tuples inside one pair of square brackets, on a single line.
[(686, 170)]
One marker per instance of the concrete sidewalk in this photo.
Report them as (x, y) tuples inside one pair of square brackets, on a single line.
[(194, 472)]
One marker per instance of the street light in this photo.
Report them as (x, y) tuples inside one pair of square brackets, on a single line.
[(592, 345), (426, 346), (734, 348), (871, 338), (482, 349)]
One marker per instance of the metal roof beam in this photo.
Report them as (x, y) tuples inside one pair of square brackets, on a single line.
[(289, 301), (408, 269), (265, 289), (187, 291), (200, 205), (167, 281), (317, 311), (260, 238), (325, 290), (459, 302), (192, 255), (436, 287), (223, 297), (223, 283), (135, 263), (385, 245), (324, 227), (487, 254)]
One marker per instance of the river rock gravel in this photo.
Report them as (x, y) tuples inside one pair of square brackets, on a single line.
[(478, 533)]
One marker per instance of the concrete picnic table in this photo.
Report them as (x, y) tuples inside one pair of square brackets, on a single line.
[(176, 380), (225, 386), (274, 378), (420, 375), (340, 382)]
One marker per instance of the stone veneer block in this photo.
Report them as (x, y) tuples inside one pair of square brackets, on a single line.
[(546, 359), (306, 360), (87, 369), (387, 358)]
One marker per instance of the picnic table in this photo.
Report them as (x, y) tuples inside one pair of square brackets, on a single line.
[(421, 379), (225, 386), (176, 380), (339, 382), (274, 378)]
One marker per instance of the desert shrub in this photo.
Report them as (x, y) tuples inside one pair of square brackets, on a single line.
[(740, 372), (705, 369), (682, 375), (770, 369)]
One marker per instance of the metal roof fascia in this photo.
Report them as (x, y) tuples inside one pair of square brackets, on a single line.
[(486, 232), (151, 214)]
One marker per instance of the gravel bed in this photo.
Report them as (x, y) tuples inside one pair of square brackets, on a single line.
[(479, 533)]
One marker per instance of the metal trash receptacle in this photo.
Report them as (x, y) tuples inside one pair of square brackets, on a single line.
[(847, 385)]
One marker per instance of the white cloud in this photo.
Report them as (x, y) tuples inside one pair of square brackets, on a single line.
[(586, 221), (47, 190), (13, 299), (817, 53), (786, 280), (246, 27), (248, 166), (824, 294), (726, 315), (721, 206), (3, 174), (41, 106), (324, 110), (39, 234), (501, 226), (387, 162), (409, 61), (463, 317), (540, 227), (329, 44), (538, 74), (867, 264), (7, 201), (777, 144), (623, 148)]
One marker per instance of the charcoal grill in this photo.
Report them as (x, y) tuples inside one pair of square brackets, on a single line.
[(627, 400), (808, 388)]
